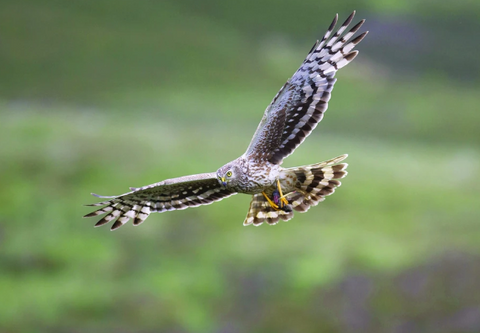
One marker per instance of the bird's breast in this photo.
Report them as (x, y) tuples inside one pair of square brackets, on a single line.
[(260, 176)]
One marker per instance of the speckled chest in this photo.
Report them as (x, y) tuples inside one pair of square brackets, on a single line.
[(262, 177)]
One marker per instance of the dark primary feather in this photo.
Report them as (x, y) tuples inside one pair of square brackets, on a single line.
[(299, 106), (171, 194)]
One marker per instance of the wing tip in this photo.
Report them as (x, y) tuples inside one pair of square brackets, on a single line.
[(334, 23), (137, 221), (102, 196), (359, 38), (103, 221), (349, 18), (350, 56), (357, 26), (116, 225)]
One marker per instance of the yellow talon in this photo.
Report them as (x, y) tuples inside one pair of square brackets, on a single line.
[(282, 197), (275, 206)]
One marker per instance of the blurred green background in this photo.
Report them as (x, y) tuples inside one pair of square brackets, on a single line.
[(96, 96)]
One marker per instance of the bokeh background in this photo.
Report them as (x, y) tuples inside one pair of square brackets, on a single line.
[(96, 96)]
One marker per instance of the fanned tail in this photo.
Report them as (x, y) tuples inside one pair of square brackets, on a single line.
[(314, 183)]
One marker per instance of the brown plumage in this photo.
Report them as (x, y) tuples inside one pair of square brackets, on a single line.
[(313, 183), (292, 115)]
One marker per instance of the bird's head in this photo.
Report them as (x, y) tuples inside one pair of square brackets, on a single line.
[(228, 175)]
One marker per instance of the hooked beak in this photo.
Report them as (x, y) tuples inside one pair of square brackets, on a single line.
[(224, 183)]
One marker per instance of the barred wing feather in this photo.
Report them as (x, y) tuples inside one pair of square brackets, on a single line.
[(171, 194), (299, 106)]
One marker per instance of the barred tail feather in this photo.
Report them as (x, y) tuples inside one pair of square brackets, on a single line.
[(315, 182), (260, 211)]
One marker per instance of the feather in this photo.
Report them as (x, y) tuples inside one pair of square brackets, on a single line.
[(171, 194), (301, 103)]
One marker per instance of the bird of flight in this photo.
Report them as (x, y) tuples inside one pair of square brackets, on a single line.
[(276, 192)]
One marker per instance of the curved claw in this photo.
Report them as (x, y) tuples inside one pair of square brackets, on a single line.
[(274, 205), (284, 201)]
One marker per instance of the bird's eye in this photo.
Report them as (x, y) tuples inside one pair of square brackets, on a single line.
[(229, 174)]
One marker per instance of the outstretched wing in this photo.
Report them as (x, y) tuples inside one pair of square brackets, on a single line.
[(299, 106), (170, 194)]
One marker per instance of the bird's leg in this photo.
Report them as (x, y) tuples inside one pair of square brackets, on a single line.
[(274, 205), (276, 197), (283, 200)]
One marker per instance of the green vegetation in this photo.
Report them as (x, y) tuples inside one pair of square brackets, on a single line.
[(96, 96)]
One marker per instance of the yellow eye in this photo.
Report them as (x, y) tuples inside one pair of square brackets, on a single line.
[(229, 174)]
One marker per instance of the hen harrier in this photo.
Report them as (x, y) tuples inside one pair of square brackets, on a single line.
[(292, 115)]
